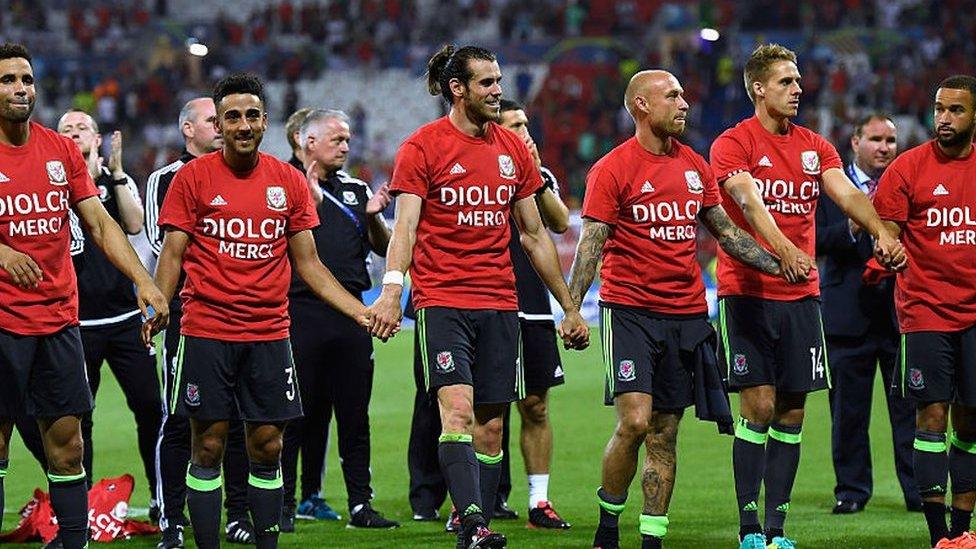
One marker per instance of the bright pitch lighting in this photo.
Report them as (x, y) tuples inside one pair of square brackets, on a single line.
[(709, 34), (198, 49)]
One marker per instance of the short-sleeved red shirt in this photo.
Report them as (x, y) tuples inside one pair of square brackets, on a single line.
[(236, 263), (788, 171), (468, 185), (933, 198), (39, 182), (652, 204)]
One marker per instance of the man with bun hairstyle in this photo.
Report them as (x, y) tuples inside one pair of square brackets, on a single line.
[(458, 181)]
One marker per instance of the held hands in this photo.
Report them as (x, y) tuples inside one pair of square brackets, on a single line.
[(890, 253), (380, 200), (795, 264), (154, 309), (385, 313), (22, 269), (574, 331)]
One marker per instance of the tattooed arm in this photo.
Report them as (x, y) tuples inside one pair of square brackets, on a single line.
[(738, 243), (588, 253)]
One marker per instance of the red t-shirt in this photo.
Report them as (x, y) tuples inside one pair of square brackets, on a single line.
[(39, 182), (468, 184), (788, 170), (236, 263), (933, 198), (652, 203)]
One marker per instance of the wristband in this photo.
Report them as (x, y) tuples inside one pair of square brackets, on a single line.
[(393, 277)]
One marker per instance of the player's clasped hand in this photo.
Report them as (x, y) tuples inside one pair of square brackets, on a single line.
[(386, 316), (795, 264), (890, 253), (574, 331), (155, 310), (21, 268)]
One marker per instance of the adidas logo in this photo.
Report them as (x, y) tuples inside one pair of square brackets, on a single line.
[(3, 178), (940, 190), (764, 161), (558, 372), (647, 188), (458, 169), (751, 506), (218, 201)]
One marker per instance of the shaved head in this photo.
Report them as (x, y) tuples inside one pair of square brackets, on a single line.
[(641, 85)]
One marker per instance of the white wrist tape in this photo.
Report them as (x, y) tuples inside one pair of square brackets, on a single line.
[(393, 277)]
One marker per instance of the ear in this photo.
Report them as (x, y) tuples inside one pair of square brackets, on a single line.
[(641, 103), (854, 142), (758, 90), (457, 87), (98, 141), (187, 130)]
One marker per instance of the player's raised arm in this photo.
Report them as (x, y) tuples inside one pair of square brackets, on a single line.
[(386, 310), (796, 265), (108, 235), (542, 253), (856, 205), (737, 242)]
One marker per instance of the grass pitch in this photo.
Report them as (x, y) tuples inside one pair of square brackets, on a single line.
[(703, 513)]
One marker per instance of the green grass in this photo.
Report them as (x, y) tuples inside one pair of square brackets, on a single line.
[(702, 511)]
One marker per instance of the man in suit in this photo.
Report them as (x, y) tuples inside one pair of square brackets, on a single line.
[(860, 327)]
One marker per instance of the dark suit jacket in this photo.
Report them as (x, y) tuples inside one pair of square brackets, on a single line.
[(849, 306)]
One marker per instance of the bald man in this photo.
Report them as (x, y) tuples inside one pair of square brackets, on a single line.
[(643, 202)]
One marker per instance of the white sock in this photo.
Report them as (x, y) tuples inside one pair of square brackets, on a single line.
[(538, 489)]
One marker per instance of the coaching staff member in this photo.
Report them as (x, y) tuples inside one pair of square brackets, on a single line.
[(333, 354), (859, 323)]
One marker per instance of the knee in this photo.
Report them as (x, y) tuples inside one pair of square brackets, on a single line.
[(208, 451), (933, 418), (534, 410), (265, 449), (65, 458), (633, 427), (760, 413)]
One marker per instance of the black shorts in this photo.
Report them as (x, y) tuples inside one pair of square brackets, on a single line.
[(937, 367), (540, 355), (779, 343), (642, 353), (43, 376), (222, 380), (472, 347)]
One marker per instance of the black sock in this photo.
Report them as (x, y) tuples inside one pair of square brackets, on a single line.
[(935, 518), (782, 461), (748, 464), (489, 475), (265, 495), (460, 468), (69, 499), (962, 474), (203, 496), (3, 473), (651, 542), (931, 465), (610, 508), (960, 521)]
